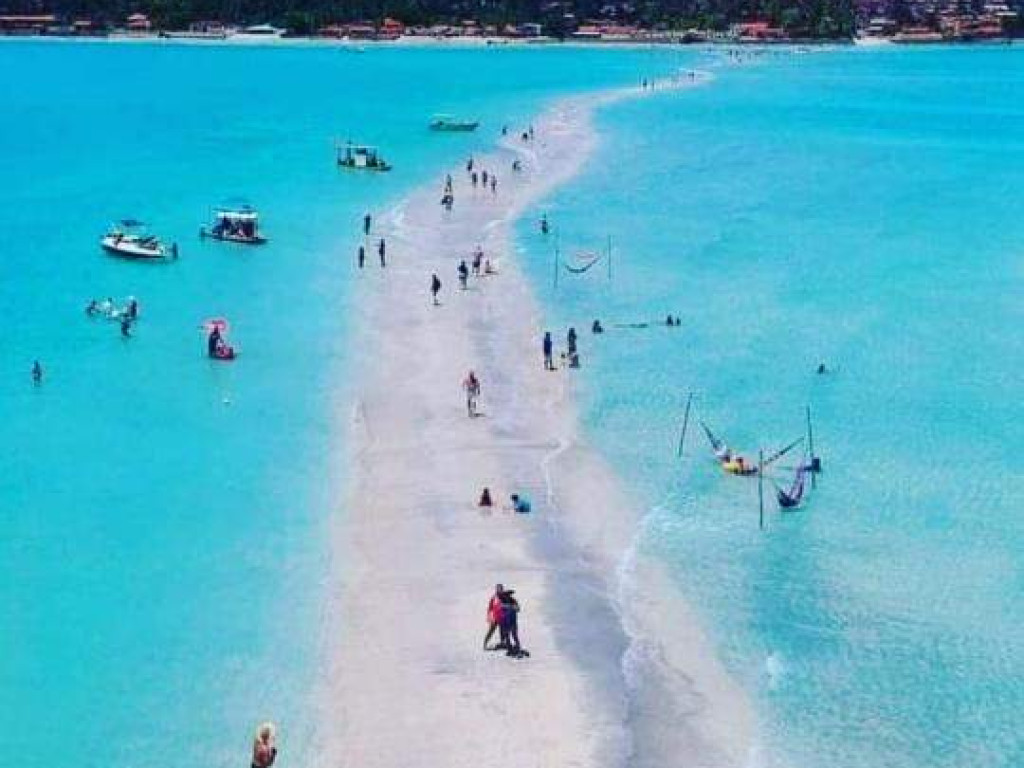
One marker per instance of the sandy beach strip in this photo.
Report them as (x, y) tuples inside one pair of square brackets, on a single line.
[(618, 674)]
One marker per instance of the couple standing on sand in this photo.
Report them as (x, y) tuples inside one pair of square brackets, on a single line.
[(503, 615)]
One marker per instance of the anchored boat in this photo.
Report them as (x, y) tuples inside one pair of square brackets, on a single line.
[(235, 224), (360, 157), (452, 124), (128, 239)]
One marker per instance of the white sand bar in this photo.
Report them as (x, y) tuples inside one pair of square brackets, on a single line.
[(409, 685)]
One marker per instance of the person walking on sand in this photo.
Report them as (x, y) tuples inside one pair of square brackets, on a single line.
[(361, 256), (478, 259), (463, 275), (494, 618), (548, 350), (435, 288), (367, 223), (380, 251), (471, 386), (264, 747), (494, 184), (474, 178)]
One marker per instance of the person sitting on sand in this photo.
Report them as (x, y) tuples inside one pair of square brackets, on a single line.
[(494, 619), (264, 750), (489, 268), (485, 498), (520, 504)]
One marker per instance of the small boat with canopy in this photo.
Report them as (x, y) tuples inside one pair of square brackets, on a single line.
[(361, 157), (452, 124), (235, 223), (128, 239)]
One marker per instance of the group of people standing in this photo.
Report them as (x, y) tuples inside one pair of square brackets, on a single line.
[(381, 245), (503, 618)]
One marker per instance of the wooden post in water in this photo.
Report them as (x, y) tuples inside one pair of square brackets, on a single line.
[(609, 258), (810, 449), (686, 422), (556, 261), (760, 488)]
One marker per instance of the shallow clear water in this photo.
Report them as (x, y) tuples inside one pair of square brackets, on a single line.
[(165, 519), (858, 208)]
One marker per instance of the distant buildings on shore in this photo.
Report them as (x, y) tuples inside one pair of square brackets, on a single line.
[(937, 21), (897, 21)]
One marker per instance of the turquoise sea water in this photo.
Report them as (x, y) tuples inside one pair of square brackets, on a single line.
[(860, 208), (165, 521)]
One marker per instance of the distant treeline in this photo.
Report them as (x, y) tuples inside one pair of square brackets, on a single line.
[(800, 18)]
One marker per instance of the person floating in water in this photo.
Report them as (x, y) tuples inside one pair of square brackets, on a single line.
[(435, 288), (264, 747), (214, 342), (463, 275), (37, 373), (822, 370), (597, 327), (92, 308), (548, 347)]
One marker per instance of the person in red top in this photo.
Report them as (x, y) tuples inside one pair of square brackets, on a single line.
[(494, 616)]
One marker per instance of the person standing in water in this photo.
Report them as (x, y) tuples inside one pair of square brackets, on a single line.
[(37, 373), (435, 288), (544, 226), (380, 251), (361, 256), (367, 223), (126, 327), (264, 747), (548, 347)]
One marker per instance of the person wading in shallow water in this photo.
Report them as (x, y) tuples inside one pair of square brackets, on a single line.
[(264, 749)]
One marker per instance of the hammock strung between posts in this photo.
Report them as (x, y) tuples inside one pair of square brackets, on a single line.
[(587, 260)]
